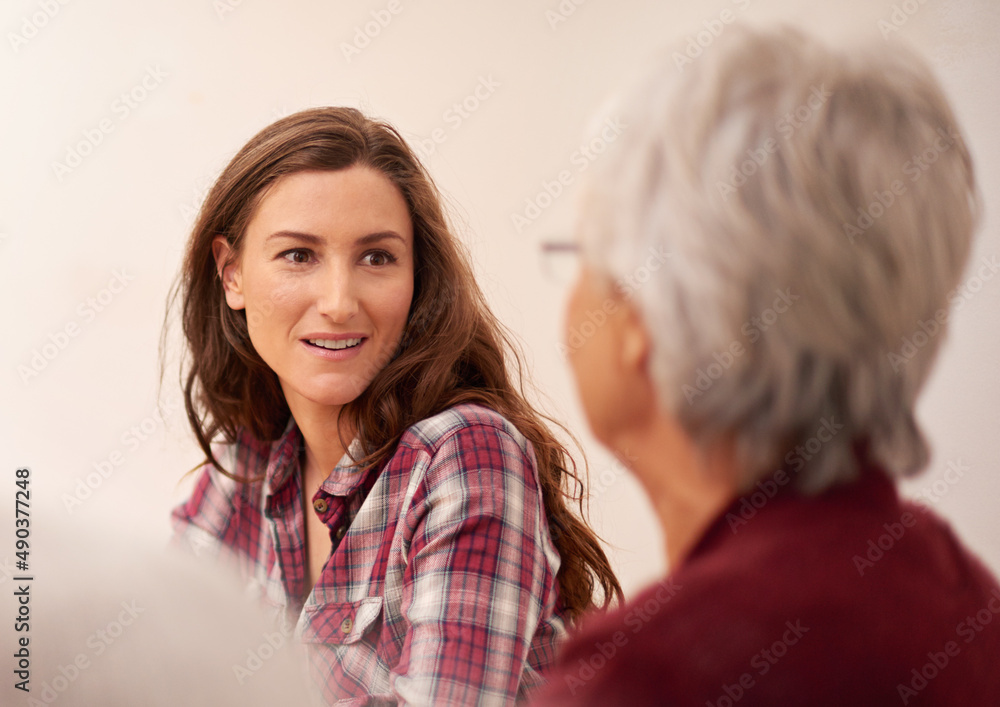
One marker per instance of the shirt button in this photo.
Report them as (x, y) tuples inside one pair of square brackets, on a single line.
[(320, 505), (339, 532), (347, 625)]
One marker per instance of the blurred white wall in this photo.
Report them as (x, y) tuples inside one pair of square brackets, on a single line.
[(155, 97)]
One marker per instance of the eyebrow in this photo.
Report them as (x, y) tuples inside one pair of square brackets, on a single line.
[(317, 240)]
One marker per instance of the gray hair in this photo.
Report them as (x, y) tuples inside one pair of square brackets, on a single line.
[(818, 207)]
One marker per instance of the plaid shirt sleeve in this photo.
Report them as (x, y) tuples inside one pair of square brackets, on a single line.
[(221, 520), (202, 522), (478, 581)]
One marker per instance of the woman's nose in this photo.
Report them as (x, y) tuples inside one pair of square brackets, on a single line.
[(335, 297)]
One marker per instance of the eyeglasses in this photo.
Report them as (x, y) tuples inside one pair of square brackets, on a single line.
[(560, 260)]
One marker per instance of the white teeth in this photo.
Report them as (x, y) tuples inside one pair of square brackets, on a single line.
[(331, 344)]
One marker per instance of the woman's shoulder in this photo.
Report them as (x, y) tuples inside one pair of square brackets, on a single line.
[(230, 488), (470, 455), (470, 436), (458, 423), (242, 464)]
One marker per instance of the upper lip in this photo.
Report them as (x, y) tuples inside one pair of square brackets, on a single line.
[(334, 337)]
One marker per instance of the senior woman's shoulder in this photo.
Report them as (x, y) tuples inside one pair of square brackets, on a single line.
[(855, 597)]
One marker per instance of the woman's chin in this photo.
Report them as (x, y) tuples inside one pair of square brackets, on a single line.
[(305, 395)]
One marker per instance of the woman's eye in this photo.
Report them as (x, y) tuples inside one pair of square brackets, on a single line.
[(379, 258), (297, 255)]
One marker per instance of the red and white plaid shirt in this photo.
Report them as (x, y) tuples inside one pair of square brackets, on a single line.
[(441, 587)]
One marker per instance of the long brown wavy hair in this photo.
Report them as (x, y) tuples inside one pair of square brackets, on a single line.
[(453, 348)]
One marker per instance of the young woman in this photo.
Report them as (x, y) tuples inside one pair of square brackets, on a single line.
[(370, 461)]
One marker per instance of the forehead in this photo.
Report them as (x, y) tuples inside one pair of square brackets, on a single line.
[(348, 203)]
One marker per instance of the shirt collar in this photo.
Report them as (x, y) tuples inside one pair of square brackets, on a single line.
[(346, 476), (283, 460), (283, 463)]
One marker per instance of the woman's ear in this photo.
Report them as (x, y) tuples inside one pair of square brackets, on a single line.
[(635, 378), (229, 271), (635, 342)]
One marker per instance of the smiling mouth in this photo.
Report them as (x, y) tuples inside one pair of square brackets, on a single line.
[(335, 345)]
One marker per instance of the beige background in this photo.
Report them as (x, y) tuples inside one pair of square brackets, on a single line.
[(217, 72)]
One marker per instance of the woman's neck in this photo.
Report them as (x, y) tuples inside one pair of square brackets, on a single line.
[(687, 490), (322, 431)]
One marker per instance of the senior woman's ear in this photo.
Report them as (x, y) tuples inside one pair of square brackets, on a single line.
[(635, 341), (633, 366), (229, 272), (609, 351)]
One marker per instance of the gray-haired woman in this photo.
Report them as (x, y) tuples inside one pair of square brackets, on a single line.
[(818, 207)]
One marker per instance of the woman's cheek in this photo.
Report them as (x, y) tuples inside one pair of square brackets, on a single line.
[(391, 305), (269, 303)]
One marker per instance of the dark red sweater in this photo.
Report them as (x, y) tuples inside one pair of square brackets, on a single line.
[(848, 599)]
